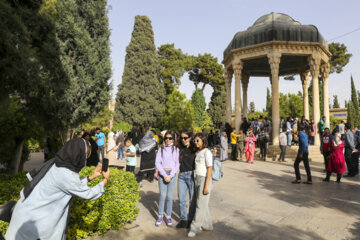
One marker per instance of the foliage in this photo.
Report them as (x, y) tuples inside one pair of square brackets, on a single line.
[(171, 66), (207, 124), (217, 106), (34, 145), (291, 104), (256, 115), (10, 187), (123, 126), (178, 112), (339, 57), (355, 104), (350, 114), (336, 103), (334, 121), (252, 107), (114, 209), (199, 105), (205, 69), (101, 120), (141, 94), (268, 103)]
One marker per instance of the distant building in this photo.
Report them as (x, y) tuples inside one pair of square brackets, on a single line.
[(339, 113), (112, 109)]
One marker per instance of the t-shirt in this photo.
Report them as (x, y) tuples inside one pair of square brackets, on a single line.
[(131, 161), (326, 143), (283, 139), (101, 139), (187, 160), (203, 160)]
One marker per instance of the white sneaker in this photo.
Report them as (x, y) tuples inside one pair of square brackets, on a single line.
[(191, 234)]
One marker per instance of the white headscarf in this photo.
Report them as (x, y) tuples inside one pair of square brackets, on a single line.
[(337, 140)]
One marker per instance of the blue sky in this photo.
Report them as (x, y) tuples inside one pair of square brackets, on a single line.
[(207, 26)]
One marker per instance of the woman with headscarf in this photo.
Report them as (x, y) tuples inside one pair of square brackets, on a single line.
[(250, 147), (336, 159), (223, 146), (147, 148), (43, 208), (93, 160)]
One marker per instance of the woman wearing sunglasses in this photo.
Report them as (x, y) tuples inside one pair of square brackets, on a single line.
[(186, 178), (167, 163), (203, 185)]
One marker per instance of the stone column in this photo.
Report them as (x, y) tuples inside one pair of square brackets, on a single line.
[(305, 84), (237, 66), (228, 77), (274, 61), (314, 62), (325, 70), (245, 82)]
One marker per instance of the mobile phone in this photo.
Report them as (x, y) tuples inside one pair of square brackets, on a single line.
[(105, 165)]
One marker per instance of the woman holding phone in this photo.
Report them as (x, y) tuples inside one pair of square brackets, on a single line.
[(203, 186)]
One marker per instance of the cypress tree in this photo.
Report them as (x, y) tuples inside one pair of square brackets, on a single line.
[(217, 106), (199, 105), (268, 103), (141, 95), (336, 103), (354, 103)]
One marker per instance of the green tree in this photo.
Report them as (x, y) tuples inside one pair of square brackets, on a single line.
[(340, 57), (252, 107), (123, 126), (354, 104), (268, 103), (178, 112), (350, 114), (205, 69), (171, 66), (217, 106), (141, 94), (336, 103), (208, 123), (100, 120), (199, 105), (296, 104)]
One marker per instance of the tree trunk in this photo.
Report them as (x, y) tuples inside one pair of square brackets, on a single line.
[(15, 163), (68, 133), (203, 87)]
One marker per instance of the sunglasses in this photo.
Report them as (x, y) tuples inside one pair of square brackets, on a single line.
[(197, 140), (168, 138), (184, 138)]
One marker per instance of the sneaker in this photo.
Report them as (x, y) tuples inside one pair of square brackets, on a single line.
[(191, 234), (182, 224), (169, 223), (159, 222)]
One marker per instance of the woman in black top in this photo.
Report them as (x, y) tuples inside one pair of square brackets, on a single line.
[(186, 178)]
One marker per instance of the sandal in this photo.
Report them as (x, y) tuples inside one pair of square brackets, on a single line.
[(296, 181), (307, 182)]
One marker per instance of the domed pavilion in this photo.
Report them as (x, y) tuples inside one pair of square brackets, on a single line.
[(277, 45)]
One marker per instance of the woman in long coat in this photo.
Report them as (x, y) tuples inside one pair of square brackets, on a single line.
[(147, 148), (223, 147)]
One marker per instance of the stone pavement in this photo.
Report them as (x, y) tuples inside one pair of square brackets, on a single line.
[(257, 201)]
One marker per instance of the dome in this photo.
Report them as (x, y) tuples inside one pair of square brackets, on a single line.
[(275, 27)]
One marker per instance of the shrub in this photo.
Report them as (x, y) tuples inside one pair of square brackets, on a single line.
[(124, 126), (114, 209)]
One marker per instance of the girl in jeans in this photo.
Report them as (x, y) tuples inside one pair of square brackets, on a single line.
[(167, 163), (203, 185), (186, 178)]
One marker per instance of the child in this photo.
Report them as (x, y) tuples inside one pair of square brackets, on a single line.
[(214, 151), (130, 156)]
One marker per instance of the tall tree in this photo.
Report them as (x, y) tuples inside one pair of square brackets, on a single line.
[(268, 103), (199, 105), (171, 66), (252, 107), (217, 106), (205, 69), (141, 94), (354, 104), (340, 57), (336, 103), (178, 112)]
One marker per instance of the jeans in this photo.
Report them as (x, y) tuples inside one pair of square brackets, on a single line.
[(120, 153), (289, 139), (312, 140), (202, 218), (305, 159), (283, 152), (233, 151), (101, 152), (166, 192), (326, 155), (186, 185)]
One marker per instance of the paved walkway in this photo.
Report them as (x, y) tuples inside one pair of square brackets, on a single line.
[(258, 202)]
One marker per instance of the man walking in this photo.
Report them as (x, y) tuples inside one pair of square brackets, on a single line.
[(302, 156), (233, 137), (325, 147), (100, 141), (283, 143), (350, 150)]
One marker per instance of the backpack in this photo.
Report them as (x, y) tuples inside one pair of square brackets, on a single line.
[(217, 170)]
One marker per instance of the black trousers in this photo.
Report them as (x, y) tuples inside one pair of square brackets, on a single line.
[(130, 169), (338, 176), (263, 148), (305, 159), (352, 162), (326, 155), (283, 152), (233, 151)]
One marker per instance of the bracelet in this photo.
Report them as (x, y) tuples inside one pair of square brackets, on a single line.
[(88, 179)]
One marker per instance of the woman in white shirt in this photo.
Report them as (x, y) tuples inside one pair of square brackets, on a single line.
[(203, 185)]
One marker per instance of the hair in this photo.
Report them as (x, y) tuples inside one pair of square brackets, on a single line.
[(301, 128), (342, 121), (173, 146), (128, 139), (182, 147), (97, 129), (323, 117), (85, 134), (348, 126), (153, 131), (203, 139), (284, 129), (327, 129)]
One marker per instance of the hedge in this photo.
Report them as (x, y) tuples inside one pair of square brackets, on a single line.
[(114, 209)]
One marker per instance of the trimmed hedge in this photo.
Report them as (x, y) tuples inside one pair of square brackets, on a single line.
[(114, 209)]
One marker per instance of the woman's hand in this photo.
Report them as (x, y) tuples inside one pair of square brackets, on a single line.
[(97, 172), (167, 178), (106, 176), (206, 191)]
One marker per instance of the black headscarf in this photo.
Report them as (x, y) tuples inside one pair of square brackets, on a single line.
[(71, 156)]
